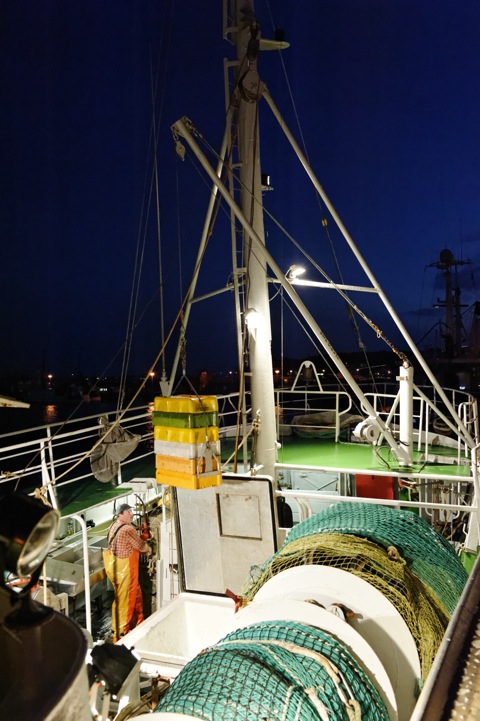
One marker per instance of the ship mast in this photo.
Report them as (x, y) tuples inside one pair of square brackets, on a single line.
[(247, 93), (451, 303)]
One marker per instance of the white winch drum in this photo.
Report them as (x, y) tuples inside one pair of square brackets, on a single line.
[(376, 619)]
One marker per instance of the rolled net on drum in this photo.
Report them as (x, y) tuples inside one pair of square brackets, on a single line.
[(275, 670), (420, 608), (427, 553)]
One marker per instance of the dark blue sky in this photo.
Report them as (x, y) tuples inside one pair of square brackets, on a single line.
[(387, 98)]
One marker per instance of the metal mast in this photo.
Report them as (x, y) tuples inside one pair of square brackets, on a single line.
[(451, 303), (247, 93)]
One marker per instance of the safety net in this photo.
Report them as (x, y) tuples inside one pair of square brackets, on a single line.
[(275, 670)]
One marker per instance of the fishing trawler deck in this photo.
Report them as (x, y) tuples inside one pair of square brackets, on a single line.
[(345, 457), (77, 490)]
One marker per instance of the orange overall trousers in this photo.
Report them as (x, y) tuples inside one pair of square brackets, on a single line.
[(127, 608)]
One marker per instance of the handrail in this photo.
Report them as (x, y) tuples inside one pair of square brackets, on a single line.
[(56, 445), (335, 498), (86, 572)]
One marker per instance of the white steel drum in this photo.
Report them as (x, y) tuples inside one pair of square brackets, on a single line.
[(376, 620), (312, 615)]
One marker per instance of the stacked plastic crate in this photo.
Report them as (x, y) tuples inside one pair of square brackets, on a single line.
[(187, 448)]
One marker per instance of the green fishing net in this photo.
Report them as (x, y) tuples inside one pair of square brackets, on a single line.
[(275, 670), (425, 617), (369, 541), (427, 553), (294, 672)]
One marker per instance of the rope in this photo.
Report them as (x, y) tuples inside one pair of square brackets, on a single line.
[(157, 205), (123, 412), (266, 647), (40, 495), (275, 669), (237, 448), (333, 672)]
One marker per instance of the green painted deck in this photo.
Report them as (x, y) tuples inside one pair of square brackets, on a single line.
[(362, 458), (78, 497), (86, 494), (359, 458), (318, 453)]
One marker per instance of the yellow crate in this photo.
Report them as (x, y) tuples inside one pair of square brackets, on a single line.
[(190, 481), (185, 450), (184, 465), (186, 404), (185, 435)]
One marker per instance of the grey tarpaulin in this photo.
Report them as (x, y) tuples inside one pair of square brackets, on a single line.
[(115, 447)]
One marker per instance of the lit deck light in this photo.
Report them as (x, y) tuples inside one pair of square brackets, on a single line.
[(252, 319), (294, 272)]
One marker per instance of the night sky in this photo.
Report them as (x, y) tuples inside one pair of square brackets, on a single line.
[(384, 93)]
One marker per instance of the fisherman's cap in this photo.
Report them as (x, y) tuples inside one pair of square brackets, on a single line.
[(124, 507)]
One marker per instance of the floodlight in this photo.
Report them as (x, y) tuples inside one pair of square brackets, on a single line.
[(294, 272), (27, 529), (252, 319)]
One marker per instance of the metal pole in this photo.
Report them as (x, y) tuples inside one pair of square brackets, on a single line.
[(248, 92), (86, 571), (406, 410), (166, 386)]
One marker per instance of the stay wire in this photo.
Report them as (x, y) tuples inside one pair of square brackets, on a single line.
[(145, 209), (73, 413), (140, 388), (133, 321), (331, 282), (351, 316), (135, 292), (350, 313), (157, 206), (350, 303)]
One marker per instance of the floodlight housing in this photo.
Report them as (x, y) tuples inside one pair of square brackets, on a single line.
[(294, 272), (27, 529)]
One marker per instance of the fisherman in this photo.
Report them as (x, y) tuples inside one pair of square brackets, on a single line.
[(121, 561)]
